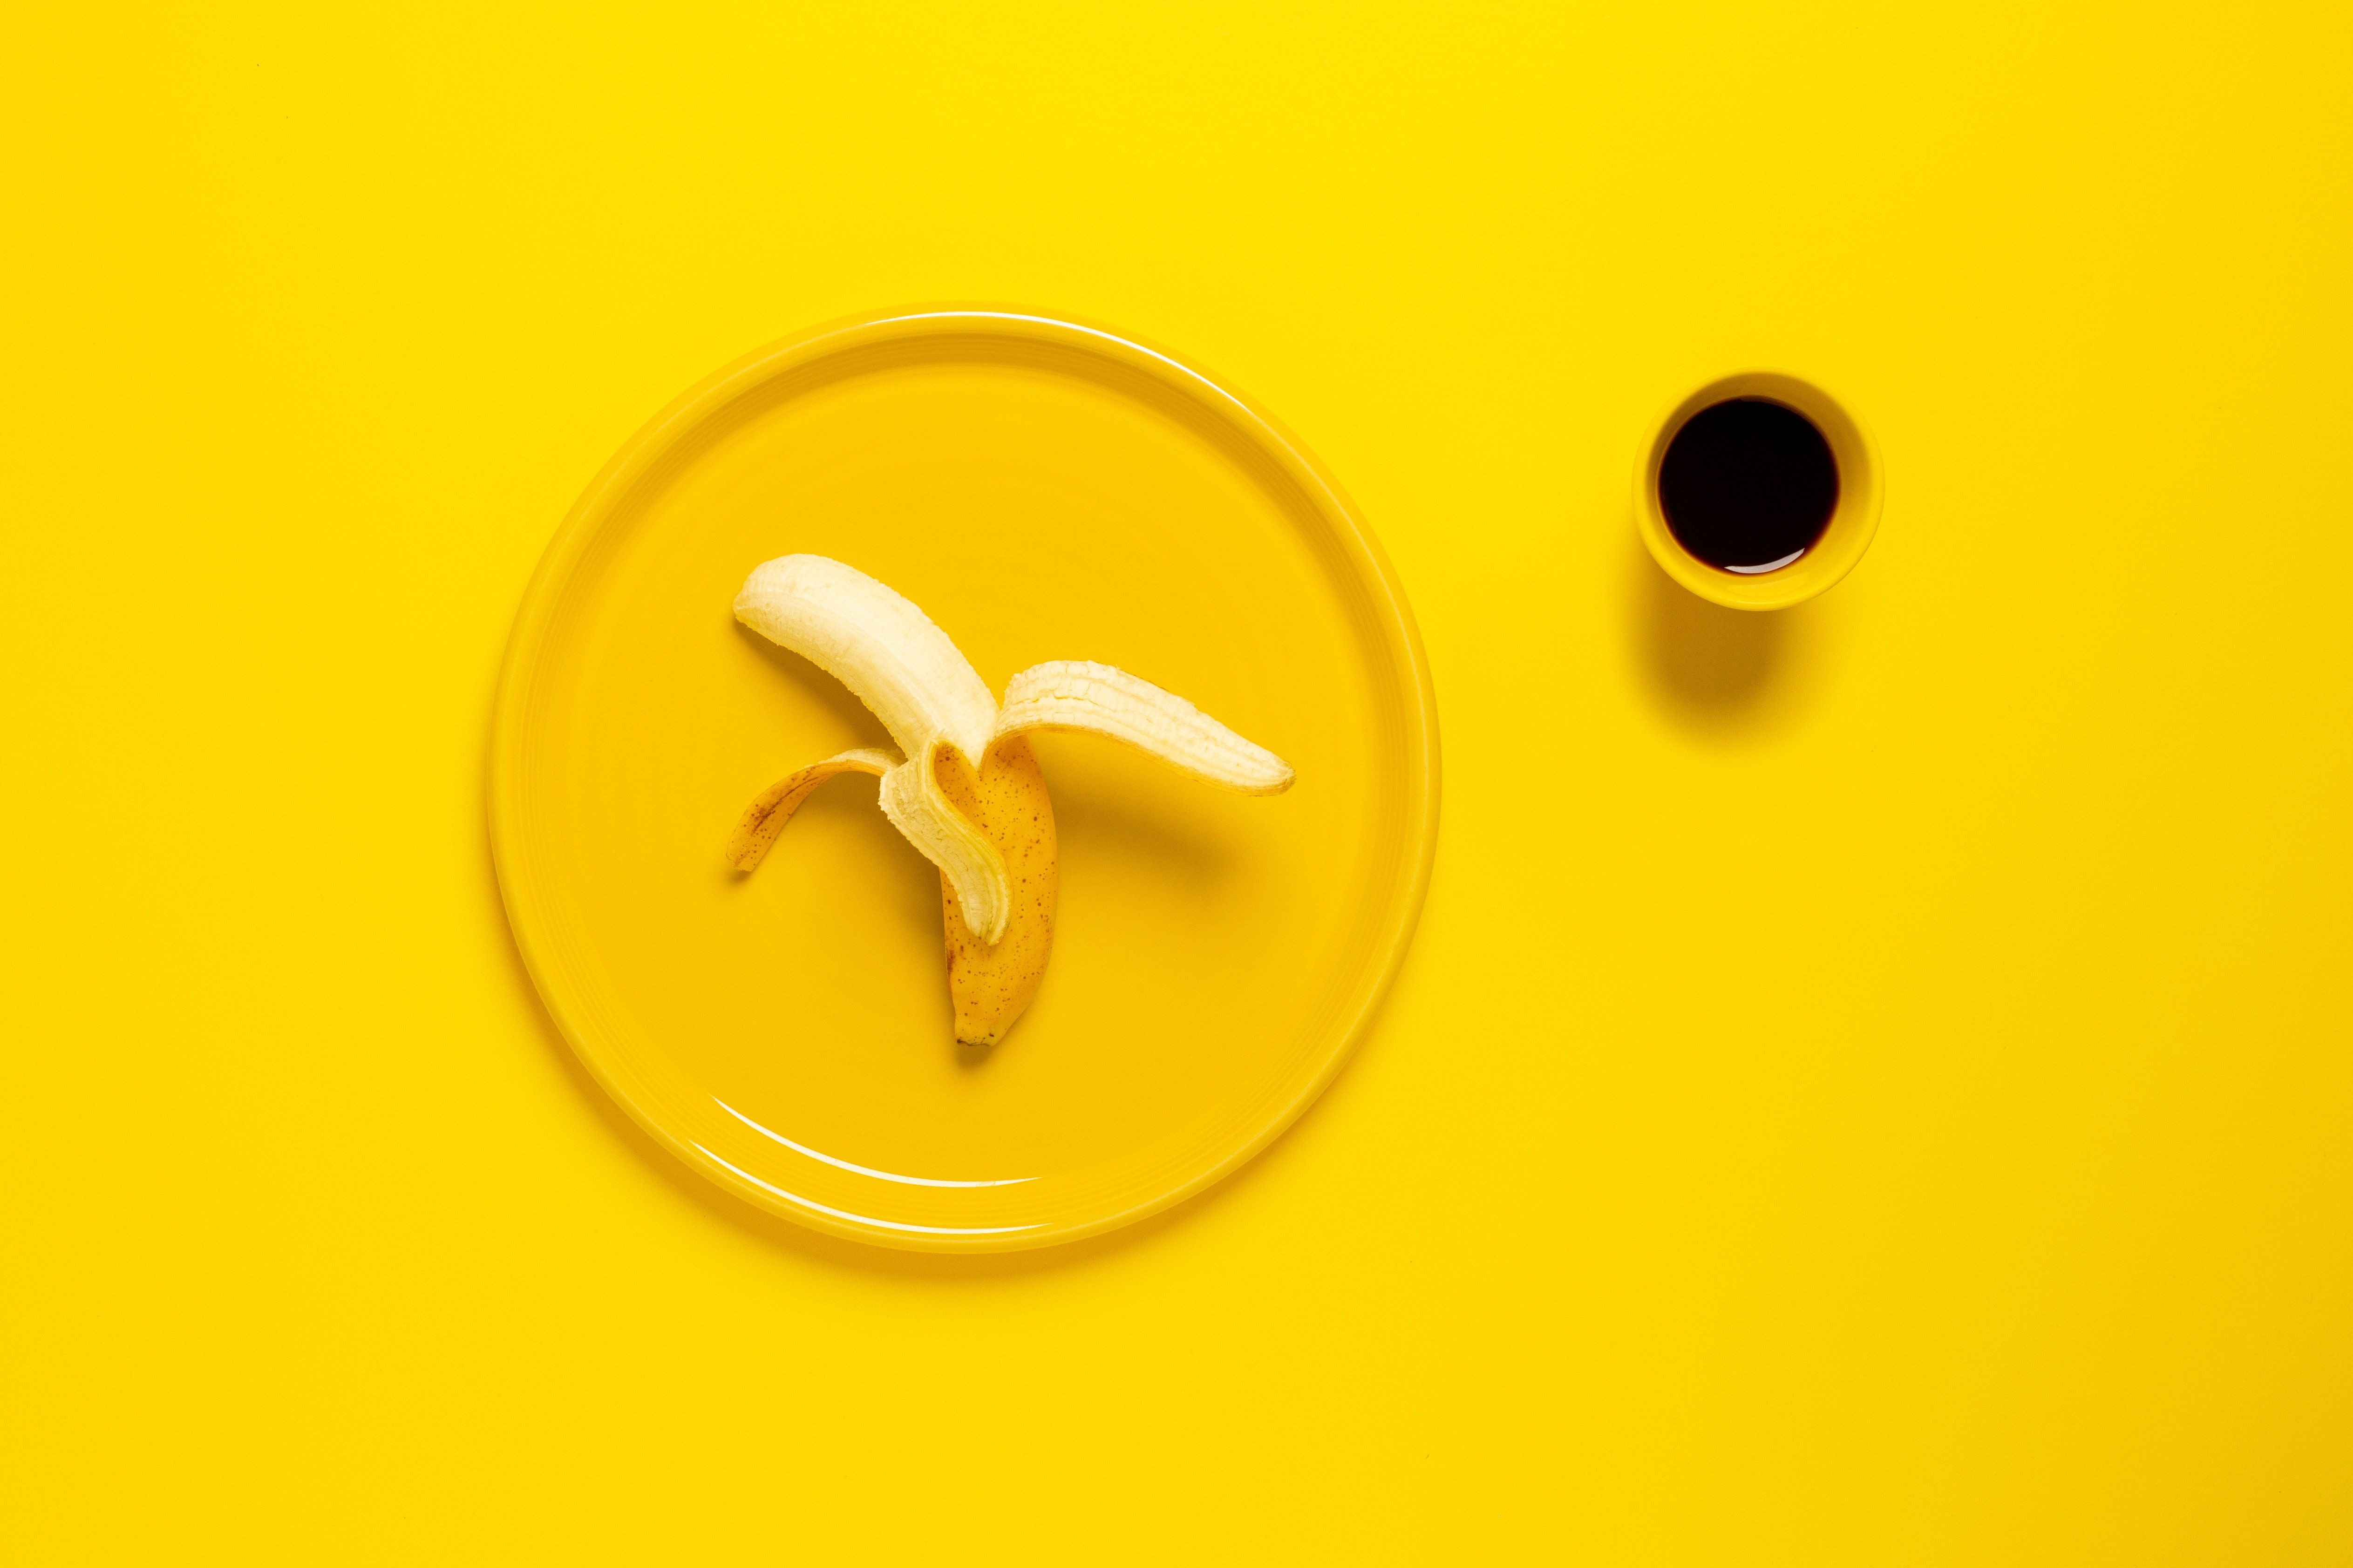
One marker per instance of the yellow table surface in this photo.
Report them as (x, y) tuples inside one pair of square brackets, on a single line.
[(1872, 1082)]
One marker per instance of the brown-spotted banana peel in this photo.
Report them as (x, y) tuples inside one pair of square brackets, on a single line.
[(965, 787)]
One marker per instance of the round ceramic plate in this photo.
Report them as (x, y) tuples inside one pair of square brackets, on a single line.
[(1042, 490)]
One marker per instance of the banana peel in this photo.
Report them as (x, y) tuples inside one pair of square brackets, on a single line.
[(964, 788), (989, 984), (757, 833)]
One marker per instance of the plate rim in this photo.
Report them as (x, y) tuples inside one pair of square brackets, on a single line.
[(676, 423)]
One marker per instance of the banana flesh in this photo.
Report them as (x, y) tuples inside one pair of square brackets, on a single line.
[(882, 648), (968, 793), (926, 693)]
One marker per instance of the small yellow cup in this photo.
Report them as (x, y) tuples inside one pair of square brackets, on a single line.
[(1844, 538)]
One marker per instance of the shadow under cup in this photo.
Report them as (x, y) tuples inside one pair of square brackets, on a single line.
[(1843, 537)]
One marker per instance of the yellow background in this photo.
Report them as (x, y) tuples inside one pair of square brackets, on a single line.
[(1873, 1083)]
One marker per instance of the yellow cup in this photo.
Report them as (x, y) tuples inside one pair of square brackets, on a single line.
[(1844, 539)]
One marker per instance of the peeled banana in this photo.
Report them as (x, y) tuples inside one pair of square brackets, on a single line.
[(965, 788)]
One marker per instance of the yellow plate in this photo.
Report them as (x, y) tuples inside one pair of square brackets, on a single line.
[(1043, 490)]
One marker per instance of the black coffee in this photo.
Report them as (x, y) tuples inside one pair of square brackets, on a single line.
[(1748, 485)]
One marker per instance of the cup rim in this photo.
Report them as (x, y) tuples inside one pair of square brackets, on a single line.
[(1844, 539)]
